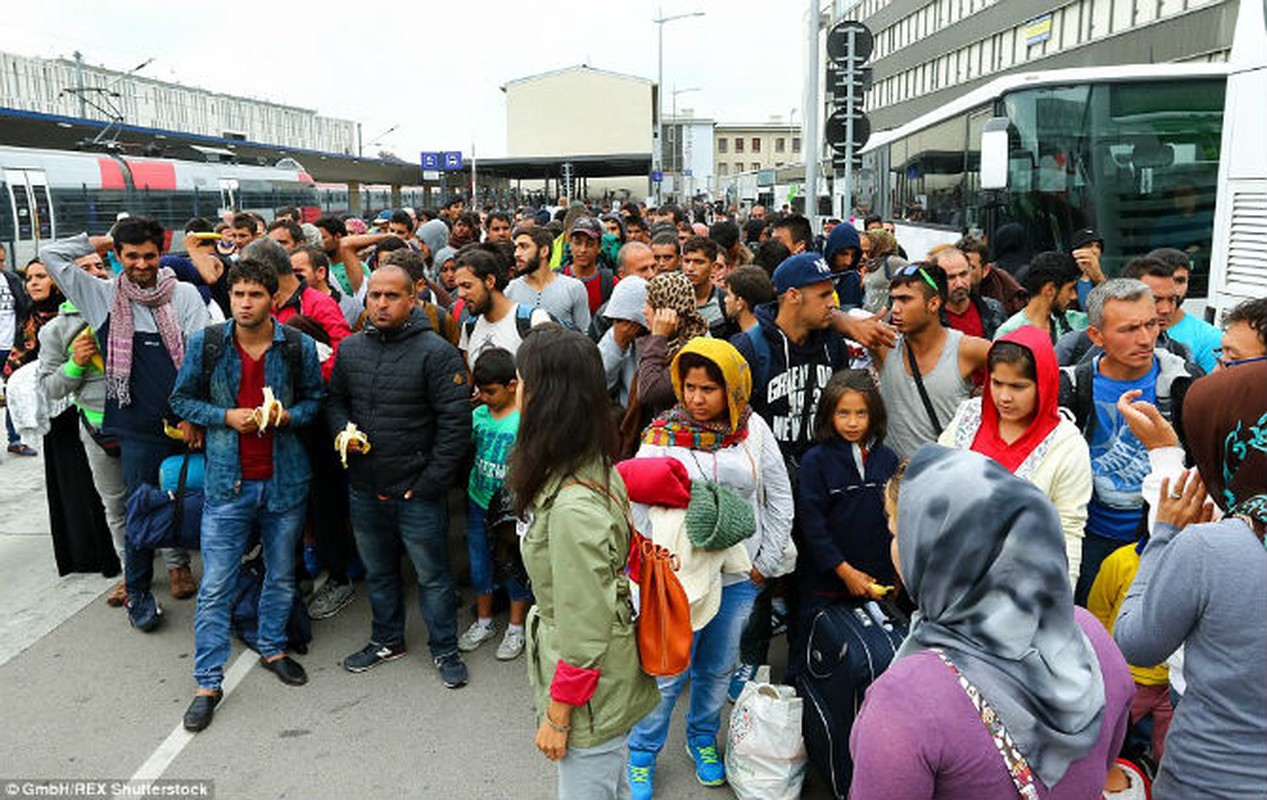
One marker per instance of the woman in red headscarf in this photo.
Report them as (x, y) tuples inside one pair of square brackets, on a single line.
[(1017, 422)]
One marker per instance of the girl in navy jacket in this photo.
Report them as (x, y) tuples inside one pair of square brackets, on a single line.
[(840, 505)]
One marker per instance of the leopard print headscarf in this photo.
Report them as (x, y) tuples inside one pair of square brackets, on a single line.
[(673, 290)]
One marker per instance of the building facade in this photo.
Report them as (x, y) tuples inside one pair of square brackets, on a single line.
[(928, 52), (688, 155), (56, 87), (750, 147)]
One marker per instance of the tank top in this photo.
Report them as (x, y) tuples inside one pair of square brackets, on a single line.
[(909, 425)]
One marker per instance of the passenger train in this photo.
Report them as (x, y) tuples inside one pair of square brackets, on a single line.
[(48, 194)]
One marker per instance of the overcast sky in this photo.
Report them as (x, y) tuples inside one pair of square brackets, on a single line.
[(432, 68)]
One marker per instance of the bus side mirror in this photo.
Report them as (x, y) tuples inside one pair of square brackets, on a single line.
[(994, 153)]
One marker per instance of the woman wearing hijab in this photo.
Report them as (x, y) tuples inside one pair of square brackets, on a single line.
[(674, 320), (1003, 687), (735, 467), (582, 647), (1204, 586), (1017, 422)]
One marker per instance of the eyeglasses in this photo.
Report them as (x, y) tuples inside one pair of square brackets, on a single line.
[(918, 269), (1226, 363)]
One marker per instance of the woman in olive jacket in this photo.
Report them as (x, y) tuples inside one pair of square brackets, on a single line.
[(581, 642)]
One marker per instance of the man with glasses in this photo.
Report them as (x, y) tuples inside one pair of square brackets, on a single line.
[(927, 373), (1244, 334)]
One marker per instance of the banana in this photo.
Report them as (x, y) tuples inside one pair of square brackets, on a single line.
[(883, 591), (347, 436), (264, 414)]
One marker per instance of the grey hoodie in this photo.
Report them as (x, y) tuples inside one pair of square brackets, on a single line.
[(434, 234)]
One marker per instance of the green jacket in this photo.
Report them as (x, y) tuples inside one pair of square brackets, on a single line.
[(575, 552)]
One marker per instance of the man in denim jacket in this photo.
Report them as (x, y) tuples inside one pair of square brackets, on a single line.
[(257, 471)]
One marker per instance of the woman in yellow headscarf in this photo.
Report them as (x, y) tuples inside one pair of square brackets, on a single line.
[(739, 493)]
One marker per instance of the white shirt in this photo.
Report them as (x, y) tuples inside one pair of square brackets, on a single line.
[(503, 333), (8, 317)]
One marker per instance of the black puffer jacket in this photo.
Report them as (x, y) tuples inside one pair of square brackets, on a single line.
[(408, 391)]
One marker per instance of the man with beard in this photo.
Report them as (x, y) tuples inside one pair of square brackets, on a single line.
[(497, 321), (667, 252), (966, 310), (498, 227), (928, 372), (538, 286), (1052, 283)]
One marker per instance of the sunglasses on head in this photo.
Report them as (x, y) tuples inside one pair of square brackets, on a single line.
[(918, 269)]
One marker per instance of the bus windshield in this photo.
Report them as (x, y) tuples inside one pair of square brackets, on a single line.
[(1136, 161)]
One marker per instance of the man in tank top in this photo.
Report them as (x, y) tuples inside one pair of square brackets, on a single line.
[(943, 357)]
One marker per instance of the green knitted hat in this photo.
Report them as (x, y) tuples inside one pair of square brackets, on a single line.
[(717, 517)]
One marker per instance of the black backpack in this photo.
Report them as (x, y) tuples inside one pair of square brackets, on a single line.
[(246, 605)]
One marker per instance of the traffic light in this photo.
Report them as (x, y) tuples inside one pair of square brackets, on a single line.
[(849, 45)]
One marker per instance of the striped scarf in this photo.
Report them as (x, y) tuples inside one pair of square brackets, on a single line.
[(157, 298)]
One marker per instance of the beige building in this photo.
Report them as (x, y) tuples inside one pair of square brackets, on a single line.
[(739, 148), (582, 111)]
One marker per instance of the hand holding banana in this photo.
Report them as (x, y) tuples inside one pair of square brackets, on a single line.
[(351, 440), (270, 412)]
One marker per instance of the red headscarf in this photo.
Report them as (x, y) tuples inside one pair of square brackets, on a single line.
[(1046, 416)]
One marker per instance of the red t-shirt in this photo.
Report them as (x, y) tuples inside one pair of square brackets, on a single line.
[(593, 287), (255, 452), (969, 322)]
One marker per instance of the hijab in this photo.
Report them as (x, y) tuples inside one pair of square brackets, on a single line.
[(676, 427), (983, 556), (673, 290), (988, 440), (1225, 425)]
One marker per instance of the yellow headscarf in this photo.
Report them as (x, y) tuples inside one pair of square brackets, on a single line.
[(734, 369)]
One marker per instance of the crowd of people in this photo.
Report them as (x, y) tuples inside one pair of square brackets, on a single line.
[(991, 440)]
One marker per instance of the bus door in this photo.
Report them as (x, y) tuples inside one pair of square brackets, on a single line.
[(32, 213), (228, 196)]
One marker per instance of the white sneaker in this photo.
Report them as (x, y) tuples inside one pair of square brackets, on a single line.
[(475, 636), (512, 645)]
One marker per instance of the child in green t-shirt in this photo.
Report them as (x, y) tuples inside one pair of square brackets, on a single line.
[(493, 428)]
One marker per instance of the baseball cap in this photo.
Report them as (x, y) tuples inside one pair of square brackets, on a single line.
[(800, 270), (1084, 237), (383, 216), (587, 226)]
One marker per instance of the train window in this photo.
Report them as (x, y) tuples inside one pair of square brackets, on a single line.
[(22, 209), (6, 214), (43, 213)]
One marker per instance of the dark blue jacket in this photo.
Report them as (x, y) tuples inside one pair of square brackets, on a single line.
[(841, 516)]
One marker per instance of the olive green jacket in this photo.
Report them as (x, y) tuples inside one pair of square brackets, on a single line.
[(575, 552)]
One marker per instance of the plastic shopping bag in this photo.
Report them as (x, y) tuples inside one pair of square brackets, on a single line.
[(765, 755)]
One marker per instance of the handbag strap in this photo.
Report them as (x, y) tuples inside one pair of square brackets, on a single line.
[(1017, 767), (923, 393)]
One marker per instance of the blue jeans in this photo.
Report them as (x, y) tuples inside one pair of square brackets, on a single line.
[(480, 551), (380, 527), (140, 459), (714, 652), (226, 531)]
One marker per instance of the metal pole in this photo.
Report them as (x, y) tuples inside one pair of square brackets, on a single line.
[(846, 175), (658, 166), (812, 110), (79, 83)]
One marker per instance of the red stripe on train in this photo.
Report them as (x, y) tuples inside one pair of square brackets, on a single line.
[(111, 174), (153, 175)]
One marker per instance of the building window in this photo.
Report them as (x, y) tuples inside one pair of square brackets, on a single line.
[(756, 145), (780, 145), (738, 144), (723, 169), (755, 166), (723, 145), (738, 166), (796, 144)]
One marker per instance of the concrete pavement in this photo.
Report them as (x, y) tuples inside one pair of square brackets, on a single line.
[(84, 696)]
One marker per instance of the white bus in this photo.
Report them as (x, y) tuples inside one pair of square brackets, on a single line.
[(1130, 151), (1239, 255)]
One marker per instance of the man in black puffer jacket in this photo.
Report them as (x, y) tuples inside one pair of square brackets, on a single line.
[(405, 389)]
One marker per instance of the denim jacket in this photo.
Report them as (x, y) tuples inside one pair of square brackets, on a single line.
[(291, 471)]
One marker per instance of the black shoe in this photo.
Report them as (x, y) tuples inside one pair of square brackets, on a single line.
[(287, 669), (201, 710)]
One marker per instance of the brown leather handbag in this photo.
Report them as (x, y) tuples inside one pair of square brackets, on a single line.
[(664, 618)]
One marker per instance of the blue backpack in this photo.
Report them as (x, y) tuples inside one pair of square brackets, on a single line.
[(761, 348)]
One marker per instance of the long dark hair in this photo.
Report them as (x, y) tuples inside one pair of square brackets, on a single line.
[(851, 380), (563, 425)]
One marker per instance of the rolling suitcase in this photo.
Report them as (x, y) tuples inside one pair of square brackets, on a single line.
[(846, 648)]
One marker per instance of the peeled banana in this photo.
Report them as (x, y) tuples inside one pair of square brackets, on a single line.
[(346, 437), (265, 412)]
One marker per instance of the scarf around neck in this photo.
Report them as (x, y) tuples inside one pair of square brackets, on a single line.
[(157, 298), (982, 555)]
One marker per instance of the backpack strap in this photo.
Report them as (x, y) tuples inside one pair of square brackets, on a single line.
[(760, 347), (293, 350), (606, 282), (212, 346), (1083, 396)]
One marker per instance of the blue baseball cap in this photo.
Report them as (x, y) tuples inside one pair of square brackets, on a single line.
[(384, 216), (800, 270)]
